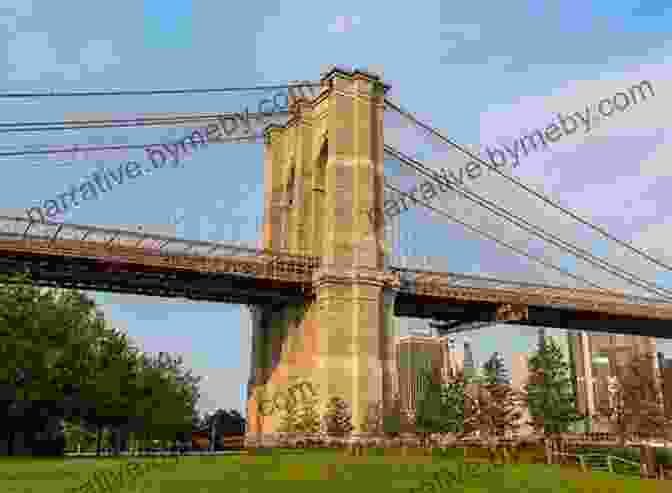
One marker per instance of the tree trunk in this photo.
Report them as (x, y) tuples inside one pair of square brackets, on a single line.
[(125, 435), (647, 458), (492, 449), (506, 454), (99, 439), (116, 438), (548, 449), (10, 442)]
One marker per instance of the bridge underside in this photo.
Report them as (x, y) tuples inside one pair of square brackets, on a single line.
[(227, 287), (132, 278), (413, 305)]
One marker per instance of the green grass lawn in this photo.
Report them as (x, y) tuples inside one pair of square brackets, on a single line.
[(314, 472)]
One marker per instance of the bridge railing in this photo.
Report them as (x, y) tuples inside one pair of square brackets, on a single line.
[(122, 246), (411, 279)]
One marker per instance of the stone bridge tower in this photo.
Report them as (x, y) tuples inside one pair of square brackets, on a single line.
[(323, 177)]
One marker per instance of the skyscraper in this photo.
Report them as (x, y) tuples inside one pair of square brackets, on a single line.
[(415, 352)]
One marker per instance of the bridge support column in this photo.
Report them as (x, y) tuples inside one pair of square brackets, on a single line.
[(355, 356), (282, 350), (324, 179), (389, 349)]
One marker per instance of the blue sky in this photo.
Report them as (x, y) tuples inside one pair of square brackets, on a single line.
[(482, 72)]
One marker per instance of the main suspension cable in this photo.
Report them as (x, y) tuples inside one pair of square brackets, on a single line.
[(527, 226), (155, 91), (492, 237), (124, 123), (537, 194), (117, 147)]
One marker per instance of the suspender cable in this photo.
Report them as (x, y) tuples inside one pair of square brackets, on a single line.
[(531, 228), (539, 195), (492, 237)]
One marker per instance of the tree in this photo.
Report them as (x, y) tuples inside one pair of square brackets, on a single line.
[(373, 419), (549, 394), (308, 417), (454, 399), (635, 405), (225, 423), (46, 337), (492, 409), (289, 417), (61, 362), (299, 415), (337, 418), (170, 395), (494, 370), (439, 408), (112, 390), (391, 420)]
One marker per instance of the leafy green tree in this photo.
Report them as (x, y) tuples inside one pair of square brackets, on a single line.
[(112, 391), (493, 410), (168, 396), (454, 395), (62, 362), (337, 418), (549, 395), (395, 419), (431, 415), (46, 337)]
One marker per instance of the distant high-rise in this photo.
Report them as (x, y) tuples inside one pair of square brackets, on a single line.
[(415, 352), (597, 357), (665, 368), (519, 378)]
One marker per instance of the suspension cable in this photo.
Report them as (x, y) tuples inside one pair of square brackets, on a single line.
[(492, 237), (122, 123), (527, 226), (154, 92), (537, 194), (116, 147)]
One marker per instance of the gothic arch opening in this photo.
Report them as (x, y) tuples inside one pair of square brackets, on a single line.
[(319, 198)]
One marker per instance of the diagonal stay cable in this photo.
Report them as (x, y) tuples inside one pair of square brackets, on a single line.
[(492, 237), (531, 228), (540, 196), (527, 226)]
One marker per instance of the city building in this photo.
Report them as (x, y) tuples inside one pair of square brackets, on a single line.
[(416, 352), (519, 378), (598, 358), (665, 367), (424, 350)]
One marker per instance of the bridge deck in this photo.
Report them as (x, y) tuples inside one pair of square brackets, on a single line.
[(423, 293)]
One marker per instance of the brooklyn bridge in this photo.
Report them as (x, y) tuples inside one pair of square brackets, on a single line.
[(323, 289)]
